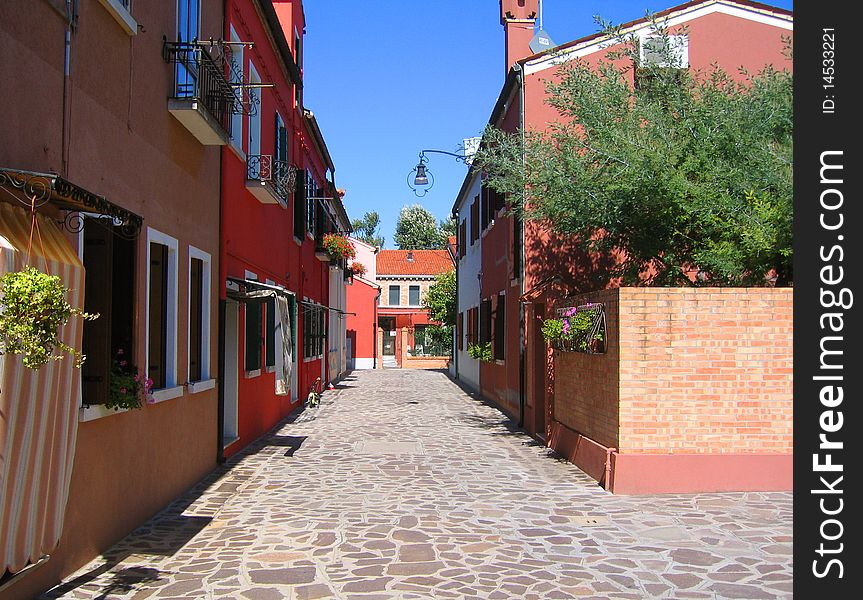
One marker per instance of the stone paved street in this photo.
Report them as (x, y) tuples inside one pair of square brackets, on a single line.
[(401, 485)]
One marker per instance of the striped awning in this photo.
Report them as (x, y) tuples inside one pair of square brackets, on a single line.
[(38, 409)]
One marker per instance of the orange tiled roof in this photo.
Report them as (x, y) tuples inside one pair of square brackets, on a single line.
[(425, 262)]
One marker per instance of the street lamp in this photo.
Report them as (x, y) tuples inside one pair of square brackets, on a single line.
[(423, 180)]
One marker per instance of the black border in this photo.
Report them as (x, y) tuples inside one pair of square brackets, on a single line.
[(815, 133)]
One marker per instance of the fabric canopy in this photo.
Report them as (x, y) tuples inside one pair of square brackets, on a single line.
[(38, 409)]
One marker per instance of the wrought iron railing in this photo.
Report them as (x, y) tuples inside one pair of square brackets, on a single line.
[(281, 175), (199, 74)]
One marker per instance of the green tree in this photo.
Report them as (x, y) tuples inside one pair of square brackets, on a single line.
[(440, 300), (417, 229), (366, 229), (682, 171), (448, 227)]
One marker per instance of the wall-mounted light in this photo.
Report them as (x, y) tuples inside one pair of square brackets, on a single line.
[(420, 179)]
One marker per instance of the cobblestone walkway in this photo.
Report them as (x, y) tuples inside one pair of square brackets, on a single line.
[(400, 485)]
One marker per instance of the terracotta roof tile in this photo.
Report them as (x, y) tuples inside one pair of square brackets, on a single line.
[(425, 262)]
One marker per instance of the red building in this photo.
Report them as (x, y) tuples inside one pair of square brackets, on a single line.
[(510, 271), (404, 277), (280, 292), (363, 295)]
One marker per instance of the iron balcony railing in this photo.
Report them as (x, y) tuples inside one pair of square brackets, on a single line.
[(281, 175), (199, 74)]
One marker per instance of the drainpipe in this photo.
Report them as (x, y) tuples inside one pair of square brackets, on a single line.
[(522, 340), (457, 312), (375, 331), (71, 18), (608, 453)]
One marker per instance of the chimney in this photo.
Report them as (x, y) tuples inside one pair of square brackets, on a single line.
[(518, 18)]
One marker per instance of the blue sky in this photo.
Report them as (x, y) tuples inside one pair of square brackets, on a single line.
[(387, 79)]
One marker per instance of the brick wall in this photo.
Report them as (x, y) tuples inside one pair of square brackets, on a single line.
[(586, 388), (701, 371)]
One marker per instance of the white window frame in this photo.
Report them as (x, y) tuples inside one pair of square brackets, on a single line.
[(121, 10), (171, 389), (206, 382)]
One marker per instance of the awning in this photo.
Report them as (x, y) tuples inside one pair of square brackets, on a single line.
[(252, 291), (41, 188), (311, 306), (38, 409)]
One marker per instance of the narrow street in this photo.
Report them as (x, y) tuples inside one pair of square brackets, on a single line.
[(401, 485)]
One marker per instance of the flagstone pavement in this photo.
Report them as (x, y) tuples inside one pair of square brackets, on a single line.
[(402, 485)]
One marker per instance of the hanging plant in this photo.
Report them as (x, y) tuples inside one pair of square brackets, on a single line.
[(338, 247), (480, 351), (33, 307), (128, 388), (358, 269)]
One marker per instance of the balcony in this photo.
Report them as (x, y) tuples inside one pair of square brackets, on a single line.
[(270, 181), (203, 100)]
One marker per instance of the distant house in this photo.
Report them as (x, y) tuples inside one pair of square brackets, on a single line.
[(404, 277), (512, 273), (362, 304)]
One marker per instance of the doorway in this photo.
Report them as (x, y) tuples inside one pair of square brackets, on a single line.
[(388, 325), (230, 430), (540, 362)]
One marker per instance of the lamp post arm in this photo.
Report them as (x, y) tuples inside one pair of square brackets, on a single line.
[(460, 157)]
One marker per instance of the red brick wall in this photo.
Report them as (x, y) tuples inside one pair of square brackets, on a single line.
[(586, 388), (703, 371)]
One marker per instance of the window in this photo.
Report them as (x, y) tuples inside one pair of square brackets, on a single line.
[(314, 332), (270, 337), (199, 315), (500, 327), (254, 142), (474, 220), (121, 11), (462, 235), (395, 295), (109, 290), (485, 321), (300, 205), (280, 151), (162, 310), (236, 77), (254, 327), (414, 295), (311, 203), (298, 54), (188, 27)]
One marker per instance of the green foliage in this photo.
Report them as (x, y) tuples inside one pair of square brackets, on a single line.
[(575, 330), (440, 300), (435, 340), (33, 306), (480, 351), (366, 229), (127, 387), (448, 227), (684, 171), (417, 229)]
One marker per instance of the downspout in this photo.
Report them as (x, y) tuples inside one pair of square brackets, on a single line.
[(522, 339), (375, 331), (223, 273), (456, 338), (71, 18)]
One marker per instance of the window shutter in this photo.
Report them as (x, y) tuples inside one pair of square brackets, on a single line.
[(158, 325), (300, 206), (196, 296), (96, 372)]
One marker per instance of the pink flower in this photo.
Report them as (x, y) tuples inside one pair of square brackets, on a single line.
[(137, 377), (123, 390), (120, 351), (123, 363)]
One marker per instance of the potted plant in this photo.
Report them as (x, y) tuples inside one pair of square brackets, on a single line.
[(358, 268), (576, 330), (127, 388), (480, 351), (33, 307), (338, 247)]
